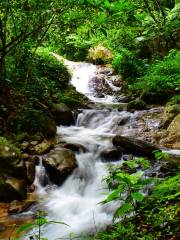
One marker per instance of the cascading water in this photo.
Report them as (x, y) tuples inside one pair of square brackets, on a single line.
[(76, 202)]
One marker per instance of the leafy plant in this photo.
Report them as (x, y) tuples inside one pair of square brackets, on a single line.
[(127, 188), (37, 227)]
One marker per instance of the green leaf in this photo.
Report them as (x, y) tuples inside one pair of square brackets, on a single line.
[(25, 227), (41, 221), (126, 207), (114, 195), (138, 196)]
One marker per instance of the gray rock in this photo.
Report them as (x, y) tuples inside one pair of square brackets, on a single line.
[(12, 189), (59, 164), (111, 154), (62, 114), (134, 146)]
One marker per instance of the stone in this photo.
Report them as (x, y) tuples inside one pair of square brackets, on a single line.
[(11, 161), (12, 189), (134, 146), (62, 114), (59, 164), (43, 147), (112, 154), (172, 136), (75, 147), (170, 112), (20, 206), (30, 167)]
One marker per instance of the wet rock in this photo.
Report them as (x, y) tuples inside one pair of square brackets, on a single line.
[(106, 71), (111, 154), (11, 162), (127, 157), (43, 147), (99, 84), (170, 112), (62, 114), (136, 105), (123, 99), (134, 146), (20, 206), (12, 189), (75, 147), (30, 168), (123, 121), (59, 164), (172, 135)]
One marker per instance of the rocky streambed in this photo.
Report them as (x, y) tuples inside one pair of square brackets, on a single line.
[(66, 173)]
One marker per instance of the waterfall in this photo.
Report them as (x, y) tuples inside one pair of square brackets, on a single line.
[(77, 201)]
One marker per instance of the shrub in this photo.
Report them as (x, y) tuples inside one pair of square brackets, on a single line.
[(100, 55), (162, 77), (126, 64)]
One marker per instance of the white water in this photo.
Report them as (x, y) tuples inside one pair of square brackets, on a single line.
[(76, 202), (82, 73)]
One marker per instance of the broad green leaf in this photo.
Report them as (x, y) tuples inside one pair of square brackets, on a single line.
[(114, 195), (126, 207), (138, 196), (25, 227)]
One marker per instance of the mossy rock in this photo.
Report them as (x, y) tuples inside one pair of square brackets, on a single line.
[(11, 161), (73, 99), (136, 105), (59, 164), (172, 136), (170, 112), (12, 189), (62, 114)]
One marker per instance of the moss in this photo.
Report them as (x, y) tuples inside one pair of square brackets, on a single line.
[(73, 99), (136, 105), (33, 121)]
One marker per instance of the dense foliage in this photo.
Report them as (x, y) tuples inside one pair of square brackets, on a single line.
[(141, 41)]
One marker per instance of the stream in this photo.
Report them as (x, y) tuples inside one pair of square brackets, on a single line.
[(76, 202)]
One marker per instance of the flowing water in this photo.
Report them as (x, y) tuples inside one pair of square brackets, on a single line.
[(76, 202)]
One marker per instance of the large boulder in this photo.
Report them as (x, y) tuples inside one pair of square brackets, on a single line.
[(12, 189), (59, 164), (11, 161), (170, 112), (62, 114), (111, 154), (134, 146), (171, 138), (75, 147), (44, 147)]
